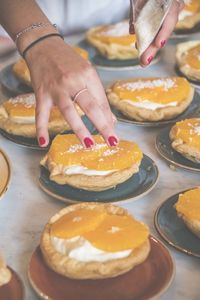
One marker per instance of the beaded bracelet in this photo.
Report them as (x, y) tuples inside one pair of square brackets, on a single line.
[(39, 40), (32, 27)]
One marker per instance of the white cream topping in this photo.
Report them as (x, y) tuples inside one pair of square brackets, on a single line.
[(73, 170), (183, 14), (27, 101), (149, 105), (80, 249), (119, 29), (166, 84), (197, 130), (23, 120)]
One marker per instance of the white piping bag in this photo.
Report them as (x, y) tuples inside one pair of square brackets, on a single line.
[(146, 17)]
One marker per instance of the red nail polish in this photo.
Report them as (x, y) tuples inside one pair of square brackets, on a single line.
[(150, 59), (112, 141), (131, 29), (88, 142), (162, 44), (42, 141)]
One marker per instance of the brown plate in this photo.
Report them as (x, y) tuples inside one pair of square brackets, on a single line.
[(5, 172), (13, 290), (147, 281)]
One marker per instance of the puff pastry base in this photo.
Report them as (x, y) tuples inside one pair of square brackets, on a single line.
[(193, 225), (28, 130), (181, 52), (111, 50), (72, 268), (5, 274), (21, 71), (188, 22), (89, 183), (143, 114), (184, 149)]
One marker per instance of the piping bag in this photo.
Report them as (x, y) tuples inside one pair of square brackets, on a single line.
[(146, 18)]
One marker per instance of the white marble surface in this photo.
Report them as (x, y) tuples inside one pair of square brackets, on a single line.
[(25, 209)]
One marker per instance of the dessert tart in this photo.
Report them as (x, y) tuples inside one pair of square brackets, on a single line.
[(21, 71), (188, 59), (98, 168), (17, 117), (92, 241), (188, 209), (5, 274), (185, 138), (151, 99), (113, 41), (189, 17)]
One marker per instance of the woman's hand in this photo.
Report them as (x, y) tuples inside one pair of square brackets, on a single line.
[(58, 74), (164, 33)]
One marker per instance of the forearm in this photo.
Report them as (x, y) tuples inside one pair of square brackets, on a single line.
[(15, 15)]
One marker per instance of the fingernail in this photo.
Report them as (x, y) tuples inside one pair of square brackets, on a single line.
[(162, 44), (149, 59), (42, 141), (112, 141), (131, 29), (88, 142)]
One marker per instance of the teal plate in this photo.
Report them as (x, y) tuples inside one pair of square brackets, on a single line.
[(173, 230), (32, 143), (111, 64), (163, 146), (136, 186), (193, 109), (11, 83)]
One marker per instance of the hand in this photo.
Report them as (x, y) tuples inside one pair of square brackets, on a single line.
[(57, 75), (163, 34)]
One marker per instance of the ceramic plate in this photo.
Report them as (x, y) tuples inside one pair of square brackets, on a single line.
[(11, 83), (5, 173), (195, 84), (111, 64), (32, 142), (173, 230), (136, 186), (14, 290), (186, 33), (147, 281), (163, 146), (194, 108)]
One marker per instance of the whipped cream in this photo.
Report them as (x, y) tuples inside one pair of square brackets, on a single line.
[(197, 130), (81, 249), (166, 84), (119, 29), (184, 14), (73, 170), (23, 120), (27, 101), (149, 105)]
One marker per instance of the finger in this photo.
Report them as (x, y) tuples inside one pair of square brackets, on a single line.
[(97, 91), (70, 114), (168, 25), (96, 115), (43, 109)]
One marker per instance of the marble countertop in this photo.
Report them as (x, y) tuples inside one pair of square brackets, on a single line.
[(25, 209)]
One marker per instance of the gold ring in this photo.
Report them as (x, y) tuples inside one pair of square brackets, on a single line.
[(78, 94)]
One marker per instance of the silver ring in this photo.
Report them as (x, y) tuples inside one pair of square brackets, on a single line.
[(78, 94)]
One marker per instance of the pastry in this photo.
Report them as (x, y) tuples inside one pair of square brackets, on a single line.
[(185, 138), (98, 168), (189, 17), (188, 59), (5, 274), (93, 241), (113, 41), (151, 99), (188, 209), (21, 71), (17, 117)]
